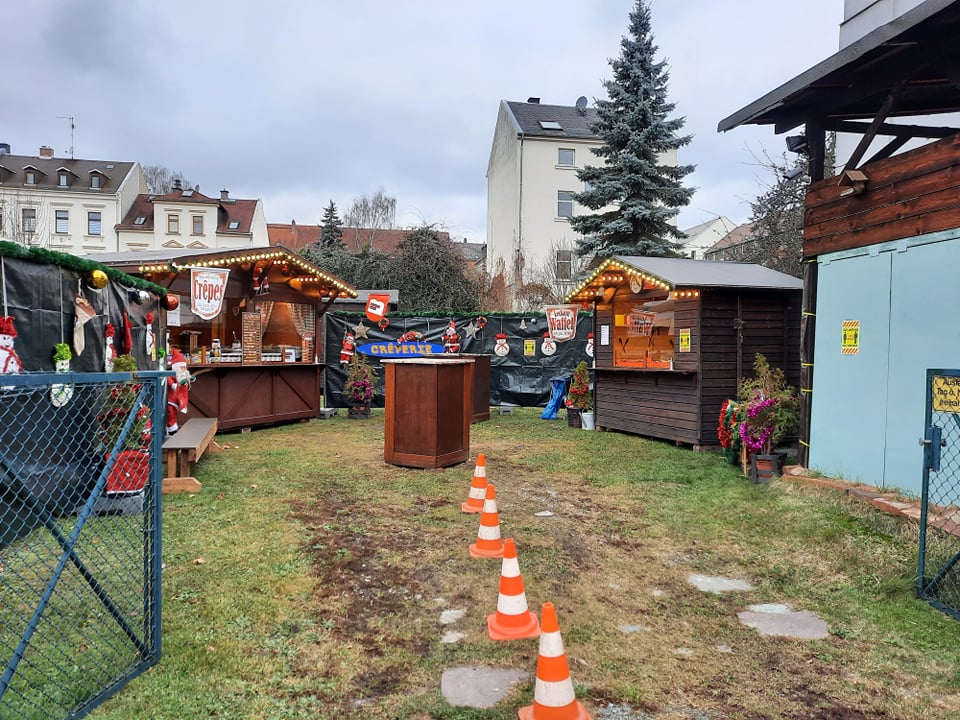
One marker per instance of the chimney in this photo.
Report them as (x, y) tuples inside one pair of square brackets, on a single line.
[(224, 195), (46, 152), (4, 148), (177, 185), (533, 100)]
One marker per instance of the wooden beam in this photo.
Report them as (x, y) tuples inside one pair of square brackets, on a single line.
[(907, 131), (871, 132), (889, 149)]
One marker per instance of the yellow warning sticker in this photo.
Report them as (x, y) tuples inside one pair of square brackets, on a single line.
[(850, 337)]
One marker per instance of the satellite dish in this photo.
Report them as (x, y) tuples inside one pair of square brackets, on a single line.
[(582, 105)]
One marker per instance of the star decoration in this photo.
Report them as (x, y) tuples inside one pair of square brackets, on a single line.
[(360, 330), (471, 330)]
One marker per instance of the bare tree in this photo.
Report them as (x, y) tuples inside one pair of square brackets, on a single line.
[(561, 270), (367, 215), (24, 219), (160, 180)]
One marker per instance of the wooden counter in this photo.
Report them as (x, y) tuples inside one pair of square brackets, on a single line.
[(254, 395), (427, 411)]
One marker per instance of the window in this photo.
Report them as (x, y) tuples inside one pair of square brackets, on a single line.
[(30, 178), (93, 223), (62, 181), (62, 226), (198, 224), (140, 220), (565, 156), (564, 264), (173, 224), (28, 220), (95, 182), (550, 125), (564, 204)]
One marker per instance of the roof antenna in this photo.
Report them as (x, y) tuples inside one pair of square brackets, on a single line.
[(72, 128)]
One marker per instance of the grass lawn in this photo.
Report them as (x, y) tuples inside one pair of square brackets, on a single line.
[(308, 577)]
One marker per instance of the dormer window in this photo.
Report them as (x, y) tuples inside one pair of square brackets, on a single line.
[(62, 180), (96, 181), (30, 177)]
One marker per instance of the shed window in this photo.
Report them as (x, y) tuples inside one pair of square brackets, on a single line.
[(643, 330)]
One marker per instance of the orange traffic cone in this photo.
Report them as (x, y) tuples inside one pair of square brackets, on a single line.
[(478, 487), (488, 542), (553, 697), (513, 620)]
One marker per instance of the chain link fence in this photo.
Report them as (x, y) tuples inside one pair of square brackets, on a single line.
[(939, 561), (80, 478)]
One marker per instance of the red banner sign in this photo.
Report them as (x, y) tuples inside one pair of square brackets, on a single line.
[(562, 321), (377, 306), (208, 286)]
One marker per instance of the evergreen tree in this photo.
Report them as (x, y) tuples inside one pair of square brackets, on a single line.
[(432, 276), (331, 235), (644, 194)]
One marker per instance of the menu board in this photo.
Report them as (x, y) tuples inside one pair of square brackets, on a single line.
[(252, 338), (306, 349)]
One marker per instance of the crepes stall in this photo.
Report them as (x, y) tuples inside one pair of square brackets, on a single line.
[(674, 336), (246, 323)]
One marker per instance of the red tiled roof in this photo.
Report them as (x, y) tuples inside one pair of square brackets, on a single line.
[(297, 237), (293, 236), (239, 211)]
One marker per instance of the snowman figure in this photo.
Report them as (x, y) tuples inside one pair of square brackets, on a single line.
[(61, 394), (9, 360), (549, 345), (501, 348), (109, 352), (589, 344), (451, 339)]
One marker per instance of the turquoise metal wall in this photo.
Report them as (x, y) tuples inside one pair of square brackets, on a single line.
[(867, 408)]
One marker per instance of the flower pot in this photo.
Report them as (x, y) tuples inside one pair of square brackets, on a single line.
[(587, 420), (764, 468), (358, 412), (573, 417)]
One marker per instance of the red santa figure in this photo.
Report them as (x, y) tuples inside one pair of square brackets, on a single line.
[(9, 360), (109, 352), (346, 348), (178, 390), (451, 339)]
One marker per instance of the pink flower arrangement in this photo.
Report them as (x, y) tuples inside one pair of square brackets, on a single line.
[(757, 429)]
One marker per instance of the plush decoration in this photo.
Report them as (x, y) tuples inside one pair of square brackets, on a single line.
[(9, 360), (178, 390), (85, 313)]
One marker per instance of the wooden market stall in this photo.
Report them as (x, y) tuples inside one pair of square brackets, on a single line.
[(247, 324), (673, 337)]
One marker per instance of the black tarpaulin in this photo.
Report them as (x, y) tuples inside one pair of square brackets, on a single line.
[(520, 377)]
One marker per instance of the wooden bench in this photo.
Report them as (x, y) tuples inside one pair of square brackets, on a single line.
[(183, 449)]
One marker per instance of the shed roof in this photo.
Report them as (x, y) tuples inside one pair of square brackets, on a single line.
[(673, 273), (918, 47)]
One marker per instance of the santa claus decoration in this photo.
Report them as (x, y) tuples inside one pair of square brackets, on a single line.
[(261, 285), (9, 360), (178, 390), (109, 351), (347, 348), (451, 339), (549, 345)]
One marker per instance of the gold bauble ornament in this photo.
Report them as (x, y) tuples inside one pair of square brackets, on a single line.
[(98, 279)]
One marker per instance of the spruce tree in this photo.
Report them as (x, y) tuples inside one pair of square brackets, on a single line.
[(331, 236), (633, 123)]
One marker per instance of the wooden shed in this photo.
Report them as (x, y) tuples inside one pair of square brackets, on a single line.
[(673, 337)]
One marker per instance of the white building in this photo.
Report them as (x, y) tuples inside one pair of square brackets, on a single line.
[(64, 204), (704, 236), (189, 219), (531, 180)]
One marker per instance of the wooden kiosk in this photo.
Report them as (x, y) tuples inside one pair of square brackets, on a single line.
[(255, 358), (427, 411), (673, 337)]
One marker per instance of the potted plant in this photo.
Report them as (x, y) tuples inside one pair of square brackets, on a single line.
[(131, 467), (771, 412), (359, 388), (580, 397)]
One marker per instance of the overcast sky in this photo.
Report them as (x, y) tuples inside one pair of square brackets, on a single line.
[(300, 103)]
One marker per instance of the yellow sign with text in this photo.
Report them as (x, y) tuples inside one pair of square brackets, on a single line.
[(850, 337), (684, 340), (946, 393)]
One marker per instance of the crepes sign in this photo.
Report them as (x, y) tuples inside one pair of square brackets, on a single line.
[(207, 289), (562, 321)]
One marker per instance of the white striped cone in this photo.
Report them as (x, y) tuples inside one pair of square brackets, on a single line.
[(553, 696), (488, 542), (513, 620), (478, 487)]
